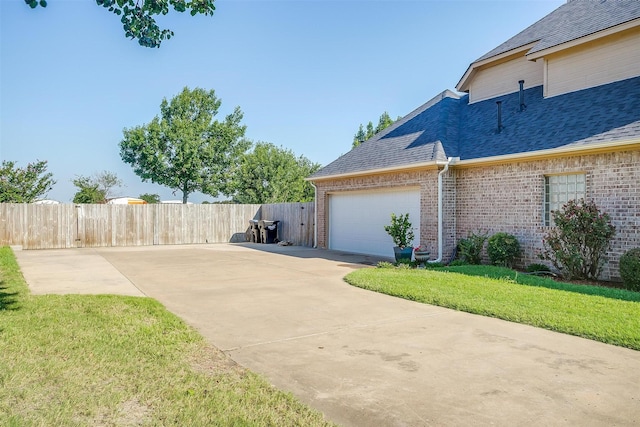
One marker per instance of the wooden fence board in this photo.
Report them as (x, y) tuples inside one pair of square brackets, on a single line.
[(68, 226)]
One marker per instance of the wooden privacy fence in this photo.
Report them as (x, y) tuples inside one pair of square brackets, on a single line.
[(73, 226)]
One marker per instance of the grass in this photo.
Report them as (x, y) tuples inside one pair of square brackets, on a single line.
[(603, 314), (122, 361)]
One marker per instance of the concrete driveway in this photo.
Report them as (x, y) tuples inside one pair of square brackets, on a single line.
[(364, 359)]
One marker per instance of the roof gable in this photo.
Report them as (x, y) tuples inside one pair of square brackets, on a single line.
[(572, 20)]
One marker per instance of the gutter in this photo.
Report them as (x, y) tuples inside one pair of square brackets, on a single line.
[(315, 215), (401, 168), (578, 150), (450, 160)]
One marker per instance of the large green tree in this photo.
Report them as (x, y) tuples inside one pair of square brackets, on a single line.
[(383, 122), (271, 174), (24, 185), (137, 16), (185, 148)]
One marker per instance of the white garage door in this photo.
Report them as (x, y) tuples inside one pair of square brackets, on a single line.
[(357, 219)]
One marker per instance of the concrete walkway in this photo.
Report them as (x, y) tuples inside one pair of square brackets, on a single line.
[(364, 359)]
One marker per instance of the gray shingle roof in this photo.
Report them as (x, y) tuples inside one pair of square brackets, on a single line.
[(572, 20), (448, 126), (416, 138)]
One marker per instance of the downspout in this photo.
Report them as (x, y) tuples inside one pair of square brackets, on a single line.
[(440, 219), (315, 215)]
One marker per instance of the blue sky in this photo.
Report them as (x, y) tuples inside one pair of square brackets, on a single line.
[(305, 73)]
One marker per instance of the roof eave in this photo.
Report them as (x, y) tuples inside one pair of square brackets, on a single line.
[(585, 39), (463, 84), (595, 148), (433, 164)]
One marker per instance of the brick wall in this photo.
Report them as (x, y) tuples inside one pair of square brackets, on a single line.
[(509, 198), (426, 180)]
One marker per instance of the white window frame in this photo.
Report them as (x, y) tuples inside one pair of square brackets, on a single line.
[(559, 189)]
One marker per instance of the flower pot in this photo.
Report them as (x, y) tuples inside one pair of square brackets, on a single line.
[(402, 253), (422, 256)]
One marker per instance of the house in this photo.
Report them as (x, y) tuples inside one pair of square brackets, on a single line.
[(551, 114)]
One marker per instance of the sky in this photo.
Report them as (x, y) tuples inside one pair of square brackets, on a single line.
[(305, 73)]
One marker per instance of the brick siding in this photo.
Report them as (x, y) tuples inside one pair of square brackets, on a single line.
[(509, 198)]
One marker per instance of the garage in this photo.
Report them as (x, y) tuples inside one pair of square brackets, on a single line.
[(357, 219)]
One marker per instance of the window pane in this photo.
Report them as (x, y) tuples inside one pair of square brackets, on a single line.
[(559, 189)]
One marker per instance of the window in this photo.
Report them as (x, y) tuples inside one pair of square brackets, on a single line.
[(559, 189)]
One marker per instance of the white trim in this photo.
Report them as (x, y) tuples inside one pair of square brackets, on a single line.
[(584, 39), (402, 168), (577, 149), (573, 149)]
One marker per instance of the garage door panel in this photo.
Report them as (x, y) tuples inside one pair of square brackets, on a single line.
[(357, 219)]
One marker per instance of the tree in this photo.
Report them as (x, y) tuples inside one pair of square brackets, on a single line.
[(150, 198), (185, 149), (138, 16), (383, 122), (88, 191), (271, 174), (97, 188), (108, 182), (24, 185)]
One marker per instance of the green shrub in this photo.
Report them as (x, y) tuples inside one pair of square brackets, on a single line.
[(630, 269), (533, 268), (458, 262), (580, 239), (400, 230), (470, 248), (502, 249)]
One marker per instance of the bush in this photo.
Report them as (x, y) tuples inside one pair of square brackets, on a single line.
[(503, 248), (400, 230), (580, 239), (630, 269), (458, 262), (534, 268), (470, 249)]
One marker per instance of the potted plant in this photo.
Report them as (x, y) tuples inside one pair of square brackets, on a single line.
[(421, 254), (402, 234)]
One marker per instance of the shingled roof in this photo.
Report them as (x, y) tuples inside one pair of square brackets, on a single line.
[(572, 20), (448, 126)]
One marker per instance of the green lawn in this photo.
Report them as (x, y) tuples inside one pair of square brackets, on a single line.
[(603, 314), (121, 361)]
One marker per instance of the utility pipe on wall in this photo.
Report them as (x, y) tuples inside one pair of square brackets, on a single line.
[(315, 215), (440, 220)]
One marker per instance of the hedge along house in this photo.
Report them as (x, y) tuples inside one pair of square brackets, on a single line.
[(550, 115)]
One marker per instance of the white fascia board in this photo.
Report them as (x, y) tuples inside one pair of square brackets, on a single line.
[(585, 39), (555, 152), (401, 168)]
